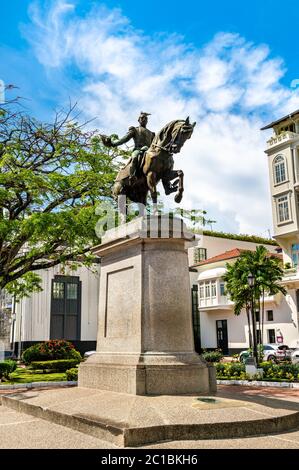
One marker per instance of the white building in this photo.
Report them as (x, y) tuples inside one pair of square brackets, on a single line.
[(66, 308), (221, 328), (5, 319)]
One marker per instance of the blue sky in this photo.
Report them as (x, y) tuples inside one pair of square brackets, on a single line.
[(230, 67)]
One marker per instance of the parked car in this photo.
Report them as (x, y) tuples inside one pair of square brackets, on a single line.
[(89, 353), (272, 353), (295, 356)]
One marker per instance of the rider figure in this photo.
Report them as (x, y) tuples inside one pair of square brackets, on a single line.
[(142, 137)]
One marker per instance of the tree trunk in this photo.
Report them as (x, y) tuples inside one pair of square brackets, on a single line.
[(263, 315)]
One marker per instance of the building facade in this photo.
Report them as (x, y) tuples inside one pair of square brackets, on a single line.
[(5, 319), (66, 308), (221, 328)]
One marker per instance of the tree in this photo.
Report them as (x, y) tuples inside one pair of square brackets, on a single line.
[(51, 178), (268, 273), (236, 285)]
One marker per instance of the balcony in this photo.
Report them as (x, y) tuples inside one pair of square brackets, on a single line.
[(281, 139), (291, 275), (213, 303)]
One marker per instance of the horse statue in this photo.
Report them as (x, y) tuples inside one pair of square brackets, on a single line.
[(156, 164)]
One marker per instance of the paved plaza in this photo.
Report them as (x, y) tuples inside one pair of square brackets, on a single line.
[(24, 431)]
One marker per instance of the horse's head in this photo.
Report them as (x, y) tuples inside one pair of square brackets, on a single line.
[(173, 136), (182, 131)]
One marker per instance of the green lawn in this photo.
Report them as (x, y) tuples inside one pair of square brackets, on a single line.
[(26, 376)]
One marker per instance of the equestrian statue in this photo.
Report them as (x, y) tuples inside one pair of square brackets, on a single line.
[(151, 160)]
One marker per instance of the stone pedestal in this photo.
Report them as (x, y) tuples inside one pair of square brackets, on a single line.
[(145, 337)]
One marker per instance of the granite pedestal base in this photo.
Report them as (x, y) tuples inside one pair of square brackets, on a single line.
[(145, 335)]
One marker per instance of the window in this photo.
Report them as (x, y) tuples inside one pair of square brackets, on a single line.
[(58, 290), (270, 315), (201, 290), (271, 336), (222, 288), (71, 291), (207, 289), (295, 254), (257, 315), (279, 170), (200, 254), (213, 288), (269, 348), (283, 212)]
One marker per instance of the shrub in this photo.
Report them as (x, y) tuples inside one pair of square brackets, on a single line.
[(231, 370), (59, 365), (72, 374), (272, 372), (212, 356), (6, 368), (285, 371), (50, 350)]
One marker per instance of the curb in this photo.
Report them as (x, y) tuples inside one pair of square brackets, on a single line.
[(259, 383), (39, 385), (121, 434)]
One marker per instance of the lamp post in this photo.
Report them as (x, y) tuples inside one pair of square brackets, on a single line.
[(251, 283)]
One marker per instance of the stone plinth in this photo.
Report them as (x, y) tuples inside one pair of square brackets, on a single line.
[(145, 336)]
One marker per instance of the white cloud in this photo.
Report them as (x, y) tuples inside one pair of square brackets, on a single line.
[(228, 86)]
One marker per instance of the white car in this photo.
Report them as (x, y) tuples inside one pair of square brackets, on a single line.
[(295, 356), (272, 353)]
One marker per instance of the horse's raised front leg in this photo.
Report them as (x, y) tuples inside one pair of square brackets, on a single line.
[(177, 185), (152, 184)]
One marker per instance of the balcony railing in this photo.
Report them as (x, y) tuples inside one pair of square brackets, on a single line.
[(281, 138)]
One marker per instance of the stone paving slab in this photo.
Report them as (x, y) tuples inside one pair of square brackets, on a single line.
[(128, 420), (40, 434), (22, 431)]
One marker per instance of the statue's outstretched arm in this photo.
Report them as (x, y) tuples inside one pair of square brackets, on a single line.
[(129, 135)]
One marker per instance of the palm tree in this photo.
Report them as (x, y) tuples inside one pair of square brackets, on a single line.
[(267, 271), (237, 287)]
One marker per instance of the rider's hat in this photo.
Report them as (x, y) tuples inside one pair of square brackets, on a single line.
[(142, 113)]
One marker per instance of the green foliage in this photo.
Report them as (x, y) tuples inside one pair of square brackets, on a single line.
[(52, 176), (245, 238), (272, 372), (212, 356), (6, 368), (231, 370), (51, 350), (72, 374), (60, 365), (267, 271), (286, 371), (22, 375)]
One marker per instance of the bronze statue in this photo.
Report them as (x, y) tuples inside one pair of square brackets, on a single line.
[(155, 164), (142, 140)]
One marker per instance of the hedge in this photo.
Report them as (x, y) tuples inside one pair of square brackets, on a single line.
[(272, 372), (60, 365), (51, 350), (241, 237), (6, 368), (72, 374)]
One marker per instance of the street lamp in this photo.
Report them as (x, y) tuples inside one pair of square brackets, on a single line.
[(251, 280), (251, 283)]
